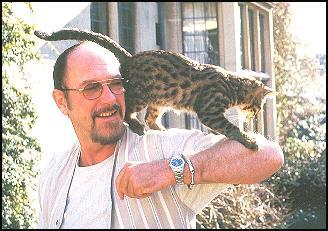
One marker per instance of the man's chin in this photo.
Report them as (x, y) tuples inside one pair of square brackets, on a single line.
[(111, 135)]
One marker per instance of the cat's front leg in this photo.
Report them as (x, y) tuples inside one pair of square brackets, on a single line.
[(219, 124), (247, 139)]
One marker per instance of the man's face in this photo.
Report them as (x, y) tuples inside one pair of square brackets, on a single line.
[(100, 119)]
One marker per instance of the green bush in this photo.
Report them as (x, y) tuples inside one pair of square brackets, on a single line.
[(20, 151), (244, 207)]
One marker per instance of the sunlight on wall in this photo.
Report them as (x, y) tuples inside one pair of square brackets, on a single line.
[(52, 129)]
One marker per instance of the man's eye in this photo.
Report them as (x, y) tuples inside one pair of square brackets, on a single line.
[(116, 83), (92, 86)]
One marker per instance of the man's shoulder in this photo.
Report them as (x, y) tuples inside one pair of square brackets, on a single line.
[(174, 132), (59, 160), (175, 136)]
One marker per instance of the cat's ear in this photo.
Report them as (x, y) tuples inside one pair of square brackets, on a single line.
[(269, 92)]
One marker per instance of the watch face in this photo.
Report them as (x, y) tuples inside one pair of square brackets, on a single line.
[(176, 162)]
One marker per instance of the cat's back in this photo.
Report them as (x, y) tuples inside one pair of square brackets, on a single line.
[(164, 61), (162, 77)]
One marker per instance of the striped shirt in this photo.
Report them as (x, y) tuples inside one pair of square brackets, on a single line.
[(173, 207)]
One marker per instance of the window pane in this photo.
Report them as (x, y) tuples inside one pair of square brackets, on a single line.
[(211, 24), (200, 36), (99, 17), (199, 26), (188, 26), (262, 43), (125, 22), (188, 43), (242, 37), (212, 46), (187, 10), (210, 10), (251, 38), (199, 11), (199, 43), (200, 40)]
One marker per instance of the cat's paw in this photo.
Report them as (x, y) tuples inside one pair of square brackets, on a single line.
[(139, 130), (156, 126), (251, 145), (250, 142), (136, 126)]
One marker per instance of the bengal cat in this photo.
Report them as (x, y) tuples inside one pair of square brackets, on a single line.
[(158, 78)]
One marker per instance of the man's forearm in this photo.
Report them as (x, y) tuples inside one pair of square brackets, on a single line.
[(226, 162), (230, 162)]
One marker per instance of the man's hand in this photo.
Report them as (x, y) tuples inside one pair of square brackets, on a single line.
[(141, 179)]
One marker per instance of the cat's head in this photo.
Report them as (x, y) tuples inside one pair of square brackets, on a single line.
[(257, 98)]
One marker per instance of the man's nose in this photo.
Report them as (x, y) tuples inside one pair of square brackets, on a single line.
[(107, 94)]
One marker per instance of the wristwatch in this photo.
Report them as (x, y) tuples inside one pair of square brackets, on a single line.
[(177, 164)]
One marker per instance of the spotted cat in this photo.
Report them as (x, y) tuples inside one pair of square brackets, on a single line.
[(158, 78)]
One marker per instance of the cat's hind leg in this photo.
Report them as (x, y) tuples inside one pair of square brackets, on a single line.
[(151, 116), (134, 124)]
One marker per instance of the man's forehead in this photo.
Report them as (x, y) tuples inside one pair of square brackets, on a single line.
[(110, 68), (92, 49), (92, 55)]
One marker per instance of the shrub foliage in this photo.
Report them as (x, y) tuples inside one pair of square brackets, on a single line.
[(20, 151)]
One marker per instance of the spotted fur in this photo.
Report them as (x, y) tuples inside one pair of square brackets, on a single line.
[(158, 78)]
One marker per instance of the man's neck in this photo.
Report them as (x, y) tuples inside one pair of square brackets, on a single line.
[(95, 153)]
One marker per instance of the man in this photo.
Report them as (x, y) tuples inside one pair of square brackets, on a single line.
[(113, 178)]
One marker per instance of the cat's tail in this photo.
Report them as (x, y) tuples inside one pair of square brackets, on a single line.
[(84, 35)]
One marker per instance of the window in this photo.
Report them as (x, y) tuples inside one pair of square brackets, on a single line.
[(262, 69), (200, 32), (200, 40), (125, 23), (252, 47), (99, 17), (242, 46), (251, 39), (252, 52)]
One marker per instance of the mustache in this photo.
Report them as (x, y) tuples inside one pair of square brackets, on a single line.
[(115, 107)]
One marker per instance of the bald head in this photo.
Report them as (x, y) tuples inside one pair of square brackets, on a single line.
[(80, 55)]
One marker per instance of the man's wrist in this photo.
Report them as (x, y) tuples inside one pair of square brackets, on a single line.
[(191, 171)]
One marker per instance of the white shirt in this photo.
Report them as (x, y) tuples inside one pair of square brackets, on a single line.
[(173, 207), (89, 186)]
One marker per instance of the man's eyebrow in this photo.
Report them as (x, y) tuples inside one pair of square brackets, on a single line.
[(85, 82)]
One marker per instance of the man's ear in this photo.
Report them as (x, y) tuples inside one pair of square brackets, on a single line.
[(60, 100)]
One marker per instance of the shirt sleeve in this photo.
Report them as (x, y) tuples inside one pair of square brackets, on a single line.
[(189, 142)]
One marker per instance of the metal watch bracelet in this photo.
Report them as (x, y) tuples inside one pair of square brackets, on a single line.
[(191, 169)]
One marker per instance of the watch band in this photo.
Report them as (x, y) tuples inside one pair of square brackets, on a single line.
[(179, 177), (191, 169)]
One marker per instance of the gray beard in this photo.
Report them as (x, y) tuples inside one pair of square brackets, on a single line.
[(115, 132)]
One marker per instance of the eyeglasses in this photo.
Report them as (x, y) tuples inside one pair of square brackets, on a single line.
[(94, 90)]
